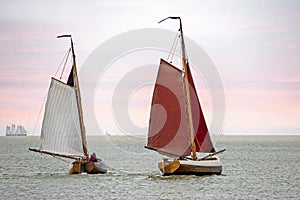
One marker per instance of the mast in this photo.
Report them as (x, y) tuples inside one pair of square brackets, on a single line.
[(185, 64), (77, 90)]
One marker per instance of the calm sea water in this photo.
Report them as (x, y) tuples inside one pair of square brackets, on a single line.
[(254, 167)]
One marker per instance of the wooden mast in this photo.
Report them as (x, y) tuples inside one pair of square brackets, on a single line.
[(76, 85), (187, 90), (185, 64), (79, 102)]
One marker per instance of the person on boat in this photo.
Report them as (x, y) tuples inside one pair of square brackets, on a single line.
[(93, 157)]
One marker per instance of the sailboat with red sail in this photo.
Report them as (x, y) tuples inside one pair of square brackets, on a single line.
[(177, 128)]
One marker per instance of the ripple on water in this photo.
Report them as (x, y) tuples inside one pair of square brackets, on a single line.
[(263, 168)]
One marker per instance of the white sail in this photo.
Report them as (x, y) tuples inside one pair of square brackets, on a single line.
[(18, 130), (13, 129), (61, 132), (8, 131), (23, 130)]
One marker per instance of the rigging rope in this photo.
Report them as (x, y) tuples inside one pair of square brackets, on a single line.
[(62, 71), (39, 115), (173, 48), (64, 58)]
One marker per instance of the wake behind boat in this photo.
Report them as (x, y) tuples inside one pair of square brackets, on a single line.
[(177, 128), (63, 131)]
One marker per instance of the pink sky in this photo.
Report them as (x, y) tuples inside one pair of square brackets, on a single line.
[(255, 46)]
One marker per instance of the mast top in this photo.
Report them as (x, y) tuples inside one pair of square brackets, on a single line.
[(60, 36), (169, 18), (184, 57), (68, 36), (72, 46)]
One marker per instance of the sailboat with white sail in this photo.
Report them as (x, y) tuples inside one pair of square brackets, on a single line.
[(14, 130), (177, 128), (63, 132)]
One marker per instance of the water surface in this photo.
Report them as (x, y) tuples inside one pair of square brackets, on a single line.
[(254, 167)]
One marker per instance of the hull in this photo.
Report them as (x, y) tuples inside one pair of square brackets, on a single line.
[(208, 166), (98, 167), (20, 134), (75, 168)]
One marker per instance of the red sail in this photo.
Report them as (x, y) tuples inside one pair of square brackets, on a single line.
[(202, 138), (168, 119)]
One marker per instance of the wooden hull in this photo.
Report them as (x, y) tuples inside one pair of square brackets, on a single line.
[(168, 167), (75, 168), (98, 167), (190, 167)]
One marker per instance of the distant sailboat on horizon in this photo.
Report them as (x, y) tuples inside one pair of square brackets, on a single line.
[(63, 131), (15, 131), (177, 128)]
